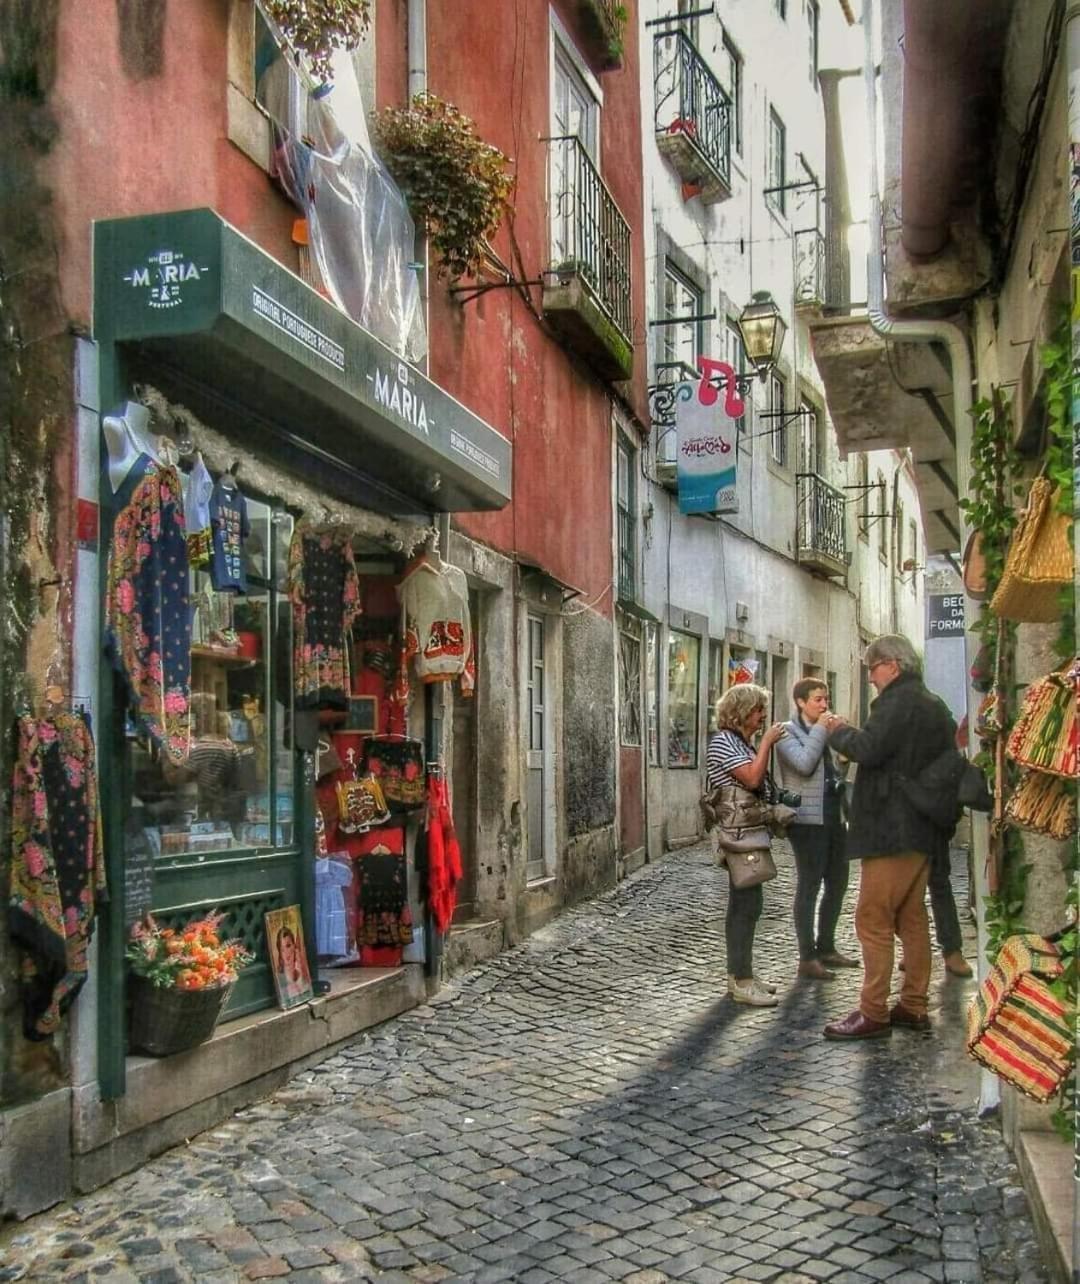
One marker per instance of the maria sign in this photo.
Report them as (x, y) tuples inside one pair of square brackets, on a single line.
[(706, 435)]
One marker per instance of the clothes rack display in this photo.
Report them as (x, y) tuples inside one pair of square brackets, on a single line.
[(325, 594)]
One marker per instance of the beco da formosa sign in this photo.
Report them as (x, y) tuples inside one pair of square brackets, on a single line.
[(706, 435)]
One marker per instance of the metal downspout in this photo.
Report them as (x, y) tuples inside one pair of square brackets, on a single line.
[(955, 341), (1072, 53)]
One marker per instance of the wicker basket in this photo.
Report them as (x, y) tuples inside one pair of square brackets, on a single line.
[(164, 1021), (1039, 563)]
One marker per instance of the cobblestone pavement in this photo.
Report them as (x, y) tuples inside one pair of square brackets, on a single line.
[(589, 1106)]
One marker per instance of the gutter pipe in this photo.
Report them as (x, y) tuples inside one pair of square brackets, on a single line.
[(955, 341)]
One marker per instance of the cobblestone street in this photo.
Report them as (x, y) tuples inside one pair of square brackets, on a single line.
[(589, 1106)]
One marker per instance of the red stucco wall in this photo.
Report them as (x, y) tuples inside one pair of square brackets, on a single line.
[(137, 146)]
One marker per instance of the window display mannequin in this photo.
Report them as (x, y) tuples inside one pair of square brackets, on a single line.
[(127, 437)]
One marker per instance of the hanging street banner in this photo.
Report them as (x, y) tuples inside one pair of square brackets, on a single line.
[(706, 435)]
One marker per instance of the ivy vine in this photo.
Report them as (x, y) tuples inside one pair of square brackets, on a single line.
[(457, 186), (318, 27)]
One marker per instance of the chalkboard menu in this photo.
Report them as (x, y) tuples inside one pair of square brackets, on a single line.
[(138, 876)]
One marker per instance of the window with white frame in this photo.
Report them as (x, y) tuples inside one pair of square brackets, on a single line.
[(736, 355), (625, 517), (913, 546), (813, 23), (862, 495), (681, 339), (778, 433), (883, 525), (901, 552), (733, 83), (776, 164), (575, 120), (810, 442)]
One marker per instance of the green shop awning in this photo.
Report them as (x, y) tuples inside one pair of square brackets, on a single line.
[(193, 303)]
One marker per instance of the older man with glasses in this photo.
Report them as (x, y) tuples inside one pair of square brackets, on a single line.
[(907, 729)]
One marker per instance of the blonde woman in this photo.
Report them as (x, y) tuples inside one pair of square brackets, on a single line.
[(730, 759)]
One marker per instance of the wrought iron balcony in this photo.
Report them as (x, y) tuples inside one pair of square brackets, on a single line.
[(809, 268), (692, 116), (821, 523), (587, 287)]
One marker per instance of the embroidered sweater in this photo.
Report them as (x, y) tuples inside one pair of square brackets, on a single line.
[(435, 619)]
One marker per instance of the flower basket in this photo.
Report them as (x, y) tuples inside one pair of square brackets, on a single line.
[(168, 1020)]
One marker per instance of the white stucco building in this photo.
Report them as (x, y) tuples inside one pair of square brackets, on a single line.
[(823, 553)]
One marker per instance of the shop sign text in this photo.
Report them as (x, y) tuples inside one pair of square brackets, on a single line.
[(163, 276), (397, 397), (285, 320)]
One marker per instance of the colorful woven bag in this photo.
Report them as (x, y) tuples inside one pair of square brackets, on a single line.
[(1046, 736), (1016, 1026), (1039, 563), (1044, 804)]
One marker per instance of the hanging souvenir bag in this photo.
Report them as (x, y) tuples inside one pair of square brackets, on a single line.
[(1046, 735), (1039, 563), (974, 564), (1044, 804), (1016, 1026), (397, 762)]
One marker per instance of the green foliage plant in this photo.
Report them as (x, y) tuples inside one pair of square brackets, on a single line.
[(457, 186), (318, 27)]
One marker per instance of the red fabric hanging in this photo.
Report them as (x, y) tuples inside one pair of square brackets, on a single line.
[(444, 855)]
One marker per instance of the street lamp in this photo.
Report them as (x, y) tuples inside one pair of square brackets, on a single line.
[(762, 329)]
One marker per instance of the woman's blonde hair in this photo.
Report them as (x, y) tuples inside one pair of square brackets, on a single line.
[(737, 704)]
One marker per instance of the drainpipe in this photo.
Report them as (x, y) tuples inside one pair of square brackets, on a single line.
[(417, 48), (1072, 53), (953, 338)]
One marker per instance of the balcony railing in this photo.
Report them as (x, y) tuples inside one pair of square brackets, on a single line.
[(590, 238), (809, 268), (692, 116), (821, 525)]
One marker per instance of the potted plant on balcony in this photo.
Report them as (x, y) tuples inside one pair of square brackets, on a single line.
[(457, 186), (318, 27), (605, 26), (179, 980)]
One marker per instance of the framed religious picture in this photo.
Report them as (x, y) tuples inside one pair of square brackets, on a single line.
[(288, 956), (363, 714)]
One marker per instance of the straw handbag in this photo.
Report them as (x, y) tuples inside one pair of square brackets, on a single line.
[(1045, 737), (1040, 561), (1044, 804), (1016, 1025)]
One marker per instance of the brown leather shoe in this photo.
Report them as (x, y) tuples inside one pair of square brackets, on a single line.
[(957, 965), (835, 959), (856, 1026), (815, 970), (910, 1020)]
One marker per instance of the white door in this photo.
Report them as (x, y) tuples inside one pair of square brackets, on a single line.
[(573, 115)]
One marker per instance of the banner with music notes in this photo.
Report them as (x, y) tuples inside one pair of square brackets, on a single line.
[(706, 435)]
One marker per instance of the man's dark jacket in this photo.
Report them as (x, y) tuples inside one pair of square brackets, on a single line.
[(907, 729)]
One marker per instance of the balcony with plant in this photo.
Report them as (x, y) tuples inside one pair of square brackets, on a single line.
[(692, 117)]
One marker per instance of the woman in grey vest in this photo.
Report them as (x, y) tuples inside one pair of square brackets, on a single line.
[(818, 832)]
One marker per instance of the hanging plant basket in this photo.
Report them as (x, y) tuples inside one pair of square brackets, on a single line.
[(318, 27), (457, 186), (166, 1020)]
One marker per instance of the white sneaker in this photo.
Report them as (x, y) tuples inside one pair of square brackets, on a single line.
[(767, 986), (753, 994)]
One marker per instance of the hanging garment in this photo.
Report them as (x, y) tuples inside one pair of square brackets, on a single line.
[(325, 594), (198, 488), (57, 870), (331, 923), (435, 622), (443, 855), (230, 526), (147, 619), (385, 917), (397, 763)]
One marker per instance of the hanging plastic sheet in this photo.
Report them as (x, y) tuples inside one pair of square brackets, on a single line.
[(359, 227)]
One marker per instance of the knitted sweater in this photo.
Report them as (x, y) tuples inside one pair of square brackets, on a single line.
[(438, 636)]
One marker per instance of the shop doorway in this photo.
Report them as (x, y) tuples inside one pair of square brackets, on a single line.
[(781, 689), (464, 785), (631, 761)]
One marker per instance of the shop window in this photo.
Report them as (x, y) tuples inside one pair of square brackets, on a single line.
[(684, 660), (236, 788), (744, 665), (652, 692), (629, 691), (716, 682)]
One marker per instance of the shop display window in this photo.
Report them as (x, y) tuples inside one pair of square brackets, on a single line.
[(235, 789), (684, 659)]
